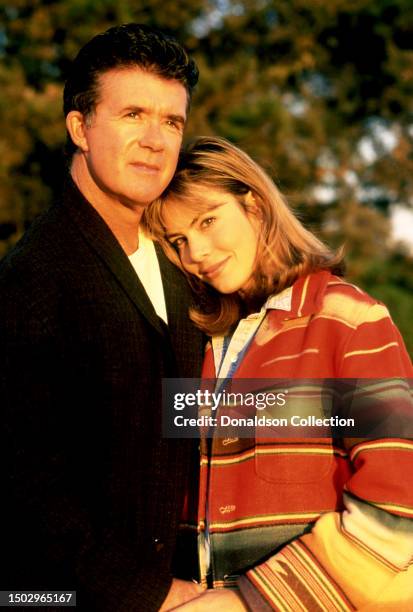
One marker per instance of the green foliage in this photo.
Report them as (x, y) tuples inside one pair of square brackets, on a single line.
[(391, 281), (302, 85)]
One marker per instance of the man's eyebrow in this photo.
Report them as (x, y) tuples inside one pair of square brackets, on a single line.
[(195, 219), (134, 108), (176, 118)]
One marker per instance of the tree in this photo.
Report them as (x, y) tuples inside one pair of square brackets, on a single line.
[(320, 93)]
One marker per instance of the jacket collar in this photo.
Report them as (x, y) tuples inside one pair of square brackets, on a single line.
[(100, 238), (304, 297)]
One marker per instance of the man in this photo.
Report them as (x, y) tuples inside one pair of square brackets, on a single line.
[(92, 316)]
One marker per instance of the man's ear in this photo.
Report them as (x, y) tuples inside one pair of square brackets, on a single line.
[(76, 126)]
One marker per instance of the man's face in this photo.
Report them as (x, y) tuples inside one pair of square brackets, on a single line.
[(132, 140)]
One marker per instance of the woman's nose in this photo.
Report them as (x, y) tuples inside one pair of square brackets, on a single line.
[(199, 248)]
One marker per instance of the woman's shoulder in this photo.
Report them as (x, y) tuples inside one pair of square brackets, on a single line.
[(350, 303)]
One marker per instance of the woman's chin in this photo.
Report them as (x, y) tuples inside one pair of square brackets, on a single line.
[(225, 288), (231, 285)]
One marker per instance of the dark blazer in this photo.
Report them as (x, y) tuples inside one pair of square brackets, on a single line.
[(91, 492)]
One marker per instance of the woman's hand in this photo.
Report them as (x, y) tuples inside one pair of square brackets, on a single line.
[(180, 592), (215, 599)]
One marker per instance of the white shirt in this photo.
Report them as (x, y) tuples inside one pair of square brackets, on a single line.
[(229, 350), (146, 265)]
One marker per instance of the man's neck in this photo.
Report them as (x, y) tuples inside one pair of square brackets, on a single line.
[(123, 219)]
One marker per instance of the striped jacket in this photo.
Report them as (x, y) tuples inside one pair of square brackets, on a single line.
[(315, 524)]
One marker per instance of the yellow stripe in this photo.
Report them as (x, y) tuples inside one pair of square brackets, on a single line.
[(303, 390), (313, 568), (293, 451), (342, 283), (380, 446), (375, 313), (395, 508), (229, 582), (280, 593), (303, 295), (290, 324), (311, 582), (280, 450), (370, 351), (239, 459), (284, 357), (337, 303), (388, 507), (283, 588), (261, 582), (265, 519), (331, 318), (353, 309), (378, 386)]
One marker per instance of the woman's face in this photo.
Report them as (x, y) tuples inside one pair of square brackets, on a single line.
[(219, 244)]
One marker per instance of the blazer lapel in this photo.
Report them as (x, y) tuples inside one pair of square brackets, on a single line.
[(100, 238), (186, 339), (175, 286)]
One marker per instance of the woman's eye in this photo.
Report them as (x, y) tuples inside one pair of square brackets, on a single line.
[(133, 115), (207, 222), (178, 242)]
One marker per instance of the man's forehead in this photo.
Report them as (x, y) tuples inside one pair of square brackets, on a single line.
[(133, 82)]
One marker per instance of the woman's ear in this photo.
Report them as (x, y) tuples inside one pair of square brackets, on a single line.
[(252, 205), (254, 211), (76, 126)]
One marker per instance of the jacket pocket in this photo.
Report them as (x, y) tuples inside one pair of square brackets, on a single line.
[(289, 461)]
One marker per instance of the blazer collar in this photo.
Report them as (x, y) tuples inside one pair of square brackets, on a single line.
[(174, 284), (100, 238)]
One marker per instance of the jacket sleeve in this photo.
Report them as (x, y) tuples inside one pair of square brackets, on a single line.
[(51, 537), (362, 558)]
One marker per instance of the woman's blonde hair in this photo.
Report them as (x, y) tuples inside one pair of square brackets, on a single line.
[(285, 251)]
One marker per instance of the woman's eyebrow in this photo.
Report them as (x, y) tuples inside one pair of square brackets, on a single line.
[(195, 219)]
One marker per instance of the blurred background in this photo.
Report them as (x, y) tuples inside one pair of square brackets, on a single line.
[(320, 92)]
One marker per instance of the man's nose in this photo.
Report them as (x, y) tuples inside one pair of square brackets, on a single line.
[(152, 137)]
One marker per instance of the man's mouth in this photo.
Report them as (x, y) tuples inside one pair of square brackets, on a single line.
[(145, 167)]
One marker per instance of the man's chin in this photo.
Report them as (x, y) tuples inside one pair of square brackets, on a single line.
[(141, 199)]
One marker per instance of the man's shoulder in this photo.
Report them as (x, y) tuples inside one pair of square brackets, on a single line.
[(52, 234), (38, 266), (46, 235)]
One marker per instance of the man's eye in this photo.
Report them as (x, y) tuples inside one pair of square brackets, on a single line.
[(175, 125), (133, 115)]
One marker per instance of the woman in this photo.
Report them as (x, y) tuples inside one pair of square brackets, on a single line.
[(307, 524)]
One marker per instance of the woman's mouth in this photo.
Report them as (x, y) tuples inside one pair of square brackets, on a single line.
[(213, 271)]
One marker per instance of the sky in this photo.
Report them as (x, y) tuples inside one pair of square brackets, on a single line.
[(402, 225)]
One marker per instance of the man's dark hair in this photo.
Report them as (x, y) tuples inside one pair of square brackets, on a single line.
[(127, 45)]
